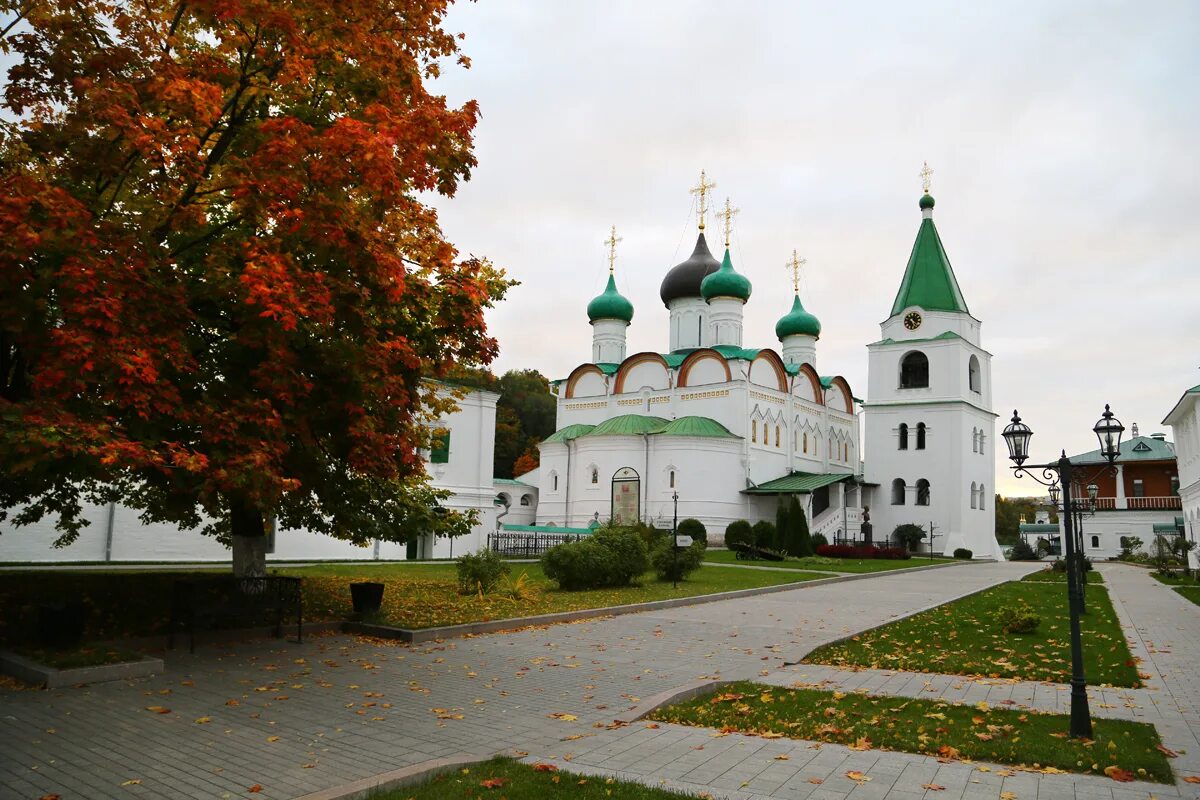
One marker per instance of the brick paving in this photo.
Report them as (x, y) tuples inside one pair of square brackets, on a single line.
[(298, 718)]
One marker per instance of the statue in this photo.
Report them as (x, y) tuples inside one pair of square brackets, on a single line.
[(866, 526)]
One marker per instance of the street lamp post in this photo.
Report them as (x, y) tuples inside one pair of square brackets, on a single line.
[(675, 542), (1059, 477)]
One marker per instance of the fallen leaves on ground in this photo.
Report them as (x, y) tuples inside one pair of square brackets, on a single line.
[(933, 787), (493, 783), (255, 789), (1118, 774), (542, 767), (857, 777), (158, 709), (1166, 751), (563, 716)]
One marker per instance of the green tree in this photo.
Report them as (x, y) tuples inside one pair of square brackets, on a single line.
[(783, 528), (1009, 511), (800, 536), (908, 536), (525, 414)]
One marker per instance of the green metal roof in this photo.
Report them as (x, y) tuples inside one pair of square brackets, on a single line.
[(1179, 406), (1139, 448), (939, 337), (733, 353), (929, 280), (544, 529), (607, 367), (1038, 527), (628, 425), (797, 322), (511, 482), (697, 426), (1165, 527), (568, 433), (725, 282), (610, 304), (798, 483)]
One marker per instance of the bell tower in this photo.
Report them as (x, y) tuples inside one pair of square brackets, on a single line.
[(929, 422)]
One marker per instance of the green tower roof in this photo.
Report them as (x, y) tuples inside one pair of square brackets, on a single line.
[(629, 425), (610, 304), (929, 280), (568, 433), (697, 426), (725, 282), (798, 322)]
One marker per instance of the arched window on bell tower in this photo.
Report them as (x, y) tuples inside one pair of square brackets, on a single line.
[(903, 436), (914, 371)]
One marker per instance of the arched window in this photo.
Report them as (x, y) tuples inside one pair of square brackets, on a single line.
[(914, 371), (526, 499), (898, 492), (973, 379), (982, 494), (504, 500), (974, 440), (974, 495), (806, 441), (922, 492), (754, 430), (672, 479), (981, 442), (920, 435), (554, 481), (595, 476), (1095, 541), (777, 436), (903, 436)]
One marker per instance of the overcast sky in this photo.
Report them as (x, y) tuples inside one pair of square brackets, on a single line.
[(1063, 138)]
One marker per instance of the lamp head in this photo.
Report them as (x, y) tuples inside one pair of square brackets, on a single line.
[(1016, 435)]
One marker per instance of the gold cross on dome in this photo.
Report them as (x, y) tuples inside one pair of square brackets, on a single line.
[(728, 214), (702, 190), (794, 267), (925, 173), (611, 241)]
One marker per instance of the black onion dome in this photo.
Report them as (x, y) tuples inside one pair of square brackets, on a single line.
[(684, 279)]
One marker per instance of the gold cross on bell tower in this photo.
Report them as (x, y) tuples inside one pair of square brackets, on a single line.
[(925, 173), (611, 241), (728, 214), (794, 265), (702, 190)]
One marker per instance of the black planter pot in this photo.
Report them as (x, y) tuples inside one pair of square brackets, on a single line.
[(367, 596), (61, 624)]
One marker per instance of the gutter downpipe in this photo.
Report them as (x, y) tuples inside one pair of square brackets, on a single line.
[(567, 489), (108, 533), (645, 515)]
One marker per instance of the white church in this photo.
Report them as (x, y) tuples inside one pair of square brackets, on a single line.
[(723, 429)]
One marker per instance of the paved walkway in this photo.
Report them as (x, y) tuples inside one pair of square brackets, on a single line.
[(298, 718)]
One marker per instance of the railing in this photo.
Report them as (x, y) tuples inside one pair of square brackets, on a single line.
[(1148, 503), (528, 545)]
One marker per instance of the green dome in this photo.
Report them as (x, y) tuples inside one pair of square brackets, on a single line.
[(725, 282), (798, 322), (610, 304), (926, 201)]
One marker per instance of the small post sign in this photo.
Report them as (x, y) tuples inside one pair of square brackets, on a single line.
[(683, 541)]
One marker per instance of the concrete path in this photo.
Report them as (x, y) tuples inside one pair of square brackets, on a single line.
[(298, 718)]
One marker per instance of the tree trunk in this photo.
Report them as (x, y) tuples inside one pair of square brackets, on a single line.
[(249, 540)]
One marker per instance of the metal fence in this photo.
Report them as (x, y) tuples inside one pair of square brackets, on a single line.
[(528, 545)]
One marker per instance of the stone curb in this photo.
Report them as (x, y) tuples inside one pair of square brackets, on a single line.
[(685, 692), (418, 635), (394, 779), (30, 671)]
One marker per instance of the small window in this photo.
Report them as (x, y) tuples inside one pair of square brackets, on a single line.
[(974, 440), (526, 499), (595, 476), (982, 494), (754, 430), (903, 436), (898, 492), (922, 492), (981, 442), (1139, 488), (973, 379), (1174, 484), (1095, 541), (554, 483), (777, 436), (672, 479), (920, 435), (439, 446), (806, 441), (914, 371), (974, 495)]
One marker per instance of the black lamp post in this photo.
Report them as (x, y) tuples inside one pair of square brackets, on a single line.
[(1058, 476)]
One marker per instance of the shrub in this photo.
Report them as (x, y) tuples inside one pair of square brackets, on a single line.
[(521, 589), (693, 528), (739, 532), (612, 556), (764, 535), (1022, 551), (818, 541), (908, 535), (480, 572), (1017, 618), (963, 553), (1060, 565), (686, 560)]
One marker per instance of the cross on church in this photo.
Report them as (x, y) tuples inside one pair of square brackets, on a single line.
[(703, 189), (794, 266), (611, 241), (925, 173), (728, 214)]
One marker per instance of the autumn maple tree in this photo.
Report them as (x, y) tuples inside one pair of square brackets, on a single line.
[(221, 295)]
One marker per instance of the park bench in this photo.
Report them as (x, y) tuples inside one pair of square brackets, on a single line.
[(206, 600)]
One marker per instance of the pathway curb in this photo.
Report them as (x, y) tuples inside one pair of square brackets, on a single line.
[(48, 677), (685, 692), (394, 779), (418, 635)]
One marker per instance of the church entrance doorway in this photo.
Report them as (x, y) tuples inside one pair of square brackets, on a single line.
[(626, 496)]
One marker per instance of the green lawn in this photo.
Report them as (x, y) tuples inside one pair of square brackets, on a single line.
[(505, 779), (1048, 575), (87, 655), (122, 604), (963, 638), (927, 726), (1191, 593), (1174, 579), (821, 564)]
